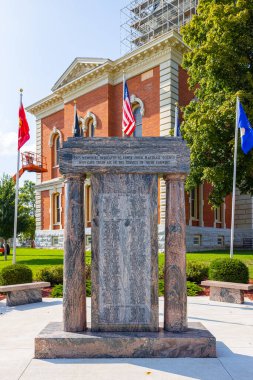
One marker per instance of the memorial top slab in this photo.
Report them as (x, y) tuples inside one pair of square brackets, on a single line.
[(160, 155)]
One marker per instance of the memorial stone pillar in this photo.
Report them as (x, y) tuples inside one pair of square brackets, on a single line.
[(175, 291), (74, 297)]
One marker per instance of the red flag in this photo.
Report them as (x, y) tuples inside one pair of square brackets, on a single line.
[(23, 131)]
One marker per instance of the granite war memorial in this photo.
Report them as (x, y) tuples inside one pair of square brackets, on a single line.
[(124, 176)]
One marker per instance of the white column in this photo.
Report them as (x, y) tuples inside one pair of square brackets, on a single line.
[(223, 216), (168, 95)]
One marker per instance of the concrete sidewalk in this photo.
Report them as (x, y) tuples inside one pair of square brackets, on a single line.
[(232, 325)]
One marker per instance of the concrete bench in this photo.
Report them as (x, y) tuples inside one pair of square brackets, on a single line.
[(21, 294), (227, 291)]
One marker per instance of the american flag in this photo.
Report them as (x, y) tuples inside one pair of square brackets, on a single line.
[(128, 121)]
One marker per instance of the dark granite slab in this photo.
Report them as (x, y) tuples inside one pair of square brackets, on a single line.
[(124, 252), (196, 342), (124, 155)]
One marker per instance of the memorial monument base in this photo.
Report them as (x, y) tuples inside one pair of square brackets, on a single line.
[(196, 342)]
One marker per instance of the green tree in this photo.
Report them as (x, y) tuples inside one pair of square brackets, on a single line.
[(7, 207), (220, 67), (27, 200)]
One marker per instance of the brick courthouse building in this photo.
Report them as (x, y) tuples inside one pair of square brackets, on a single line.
[(156, 82)]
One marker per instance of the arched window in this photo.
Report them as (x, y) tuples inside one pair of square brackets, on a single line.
[(138, 111), (55, 143), (56, 150), (56, 209), (90, 130), (89, 124), (138, 122)]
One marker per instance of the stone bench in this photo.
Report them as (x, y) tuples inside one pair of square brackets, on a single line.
[(21, 294), (227, 291)]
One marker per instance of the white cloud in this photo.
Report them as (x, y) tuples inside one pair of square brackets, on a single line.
[(9, 143)]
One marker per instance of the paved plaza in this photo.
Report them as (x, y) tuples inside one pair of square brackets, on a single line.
[(231, 324)]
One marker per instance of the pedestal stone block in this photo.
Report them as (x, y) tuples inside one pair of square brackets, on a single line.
[(196, 342)]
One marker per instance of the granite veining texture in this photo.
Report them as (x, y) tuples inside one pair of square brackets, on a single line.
[(124, 315), (195, 342), (22, 297), (226, 295), (175, 292), (149, 155), (124, 252), (74, 297)]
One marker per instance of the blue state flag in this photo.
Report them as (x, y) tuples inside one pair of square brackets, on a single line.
[(245, 128), (177, 132)]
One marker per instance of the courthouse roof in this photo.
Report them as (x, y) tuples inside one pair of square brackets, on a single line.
[(77, 68), (84, 72)]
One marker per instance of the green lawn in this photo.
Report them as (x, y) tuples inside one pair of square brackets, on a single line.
[(207, 257), (38, 258), (35, 258)]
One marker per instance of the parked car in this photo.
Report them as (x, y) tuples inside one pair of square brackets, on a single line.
[(1, 248)]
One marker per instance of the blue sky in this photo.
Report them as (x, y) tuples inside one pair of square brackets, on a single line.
[(39, 40)]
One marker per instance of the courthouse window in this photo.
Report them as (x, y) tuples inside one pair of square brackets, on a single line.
[(197, 240), (194, 203), (56, 208), (56, 150), (91, 129), (218, 214), (138, 122)]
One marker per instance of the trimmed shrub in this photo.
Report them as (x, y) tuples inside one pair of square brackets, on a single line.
[(193, 289), (57, 291), (229, 270), (161, 288), (15, 274), (161, 272), (88, 288), (88, 271), (57, 274), (196, 272), (52, 274)]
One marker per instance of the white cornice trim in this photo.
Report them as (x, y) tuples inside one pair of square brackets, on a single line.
[(48, 185), (47, 99), (78, 60), (49, 111), (169, 41)]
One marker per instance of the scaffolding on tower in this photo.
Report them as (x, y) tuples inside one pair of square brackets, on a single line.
[(144, 20)]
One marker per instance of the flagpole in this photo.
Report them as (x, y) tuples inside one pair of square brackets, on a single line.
[(234, 182), (176, 120), (16, 198), (123, 92)]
